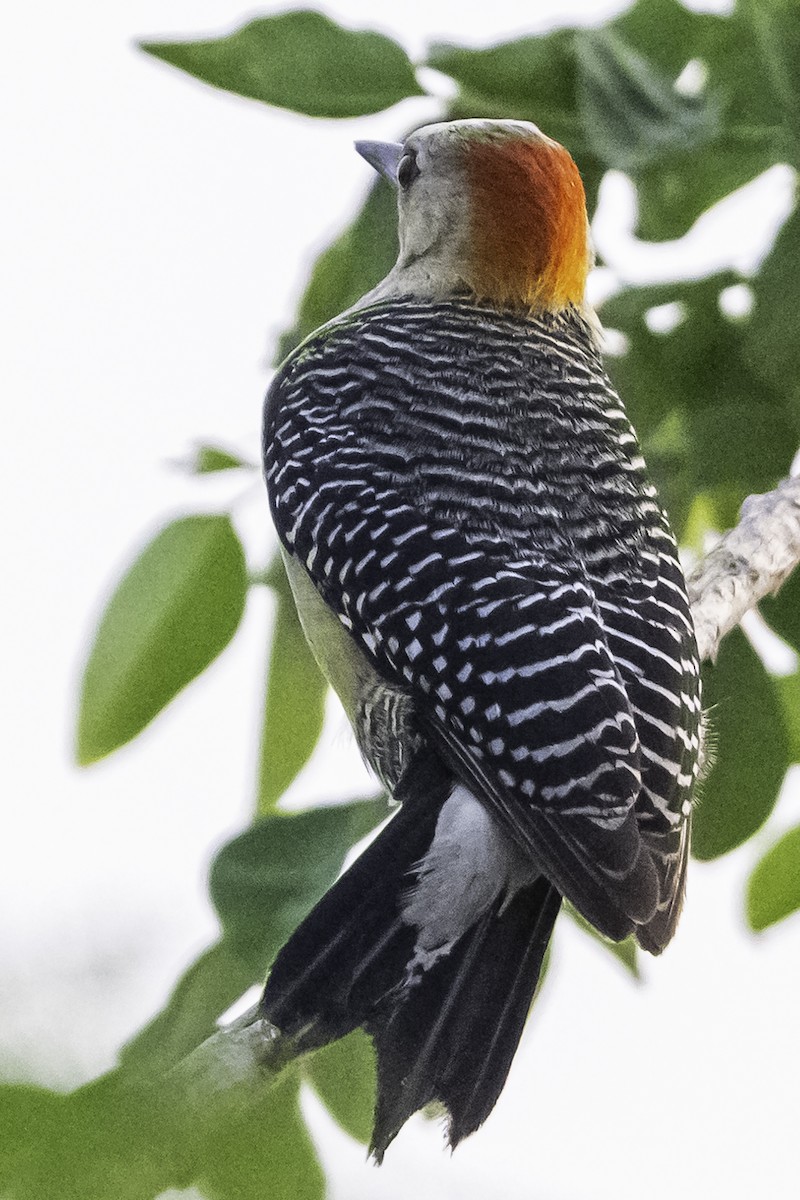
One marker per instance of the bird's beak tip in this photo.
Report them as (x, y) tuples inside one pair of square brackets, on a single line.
[(383, 156)]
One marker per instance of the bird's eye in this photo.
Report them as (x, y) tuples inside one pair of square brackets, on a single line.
[(407, 170)]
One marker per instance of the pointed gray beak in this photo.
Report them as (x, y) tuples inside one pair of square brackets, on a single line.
[(383, 156)]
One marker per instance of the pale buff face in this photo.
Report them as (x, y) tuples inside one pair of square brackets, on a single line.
[(433, 211)]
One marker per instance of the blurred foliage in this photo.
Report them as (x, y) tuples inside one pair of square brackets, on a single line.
[(301, 61), (689, 105), (262, 884), (626, 951), (208, 459), (295, 700), (749, 747), (266, 881), (350, 1062), (773, 891), (176, 608)]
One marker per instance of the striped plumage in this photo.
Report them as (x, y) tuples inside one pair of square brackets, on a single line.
[(505, 618)]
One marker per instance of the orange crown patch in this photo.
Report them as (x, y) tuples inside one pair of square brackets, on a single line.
[(528, 224)]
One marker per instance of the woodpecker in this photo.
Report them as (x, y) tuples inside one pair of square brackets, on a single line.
[(485, 576)]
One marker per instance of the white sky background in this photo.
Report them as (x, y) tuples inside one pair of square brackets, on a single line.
[(156, 235)]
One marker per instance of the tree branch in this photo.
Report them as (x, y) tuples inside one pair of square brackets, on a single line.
[(233, 1068), (749, 562), (223, 1079)]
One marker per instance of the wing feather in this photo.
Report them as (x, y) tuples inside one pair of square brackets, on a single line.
[(507, 663)]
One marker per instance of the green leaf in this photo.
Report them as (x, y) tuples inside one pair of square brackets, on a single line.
[(530, 78), (788, 690), (267, 880), (118, 1139), (776, 27), (344, 1076), (707, 423), (213, 458), (354, 263), (630, 110), (750, 750), (772, 346), (265, 1155), (106, 1141), (176, 608), (206, 990), (626, 952), (697, 363), (29, 1118), (263, 884), (782, 612), (295, 699), (773, 890), (682, 183), (745, 447), (665, 31), (302, 61), (666, 451)]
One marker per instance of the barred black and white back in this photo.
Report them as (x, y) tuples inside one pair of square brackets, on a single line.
[(461, 487)]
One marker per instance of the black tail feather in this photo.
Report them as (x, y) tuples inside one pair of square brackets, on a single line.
[(454, 1035), (352, 948), (449, 1035)]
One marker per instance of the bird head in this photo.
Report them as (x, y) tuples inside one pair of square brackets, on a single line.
[(494, 209)]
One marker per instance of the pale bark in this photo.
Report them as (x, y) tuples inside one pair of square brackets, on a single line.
[(749, 562)]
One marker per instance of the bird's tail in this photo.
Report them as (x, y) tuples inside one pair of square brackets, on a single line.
[(447, 1033)]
